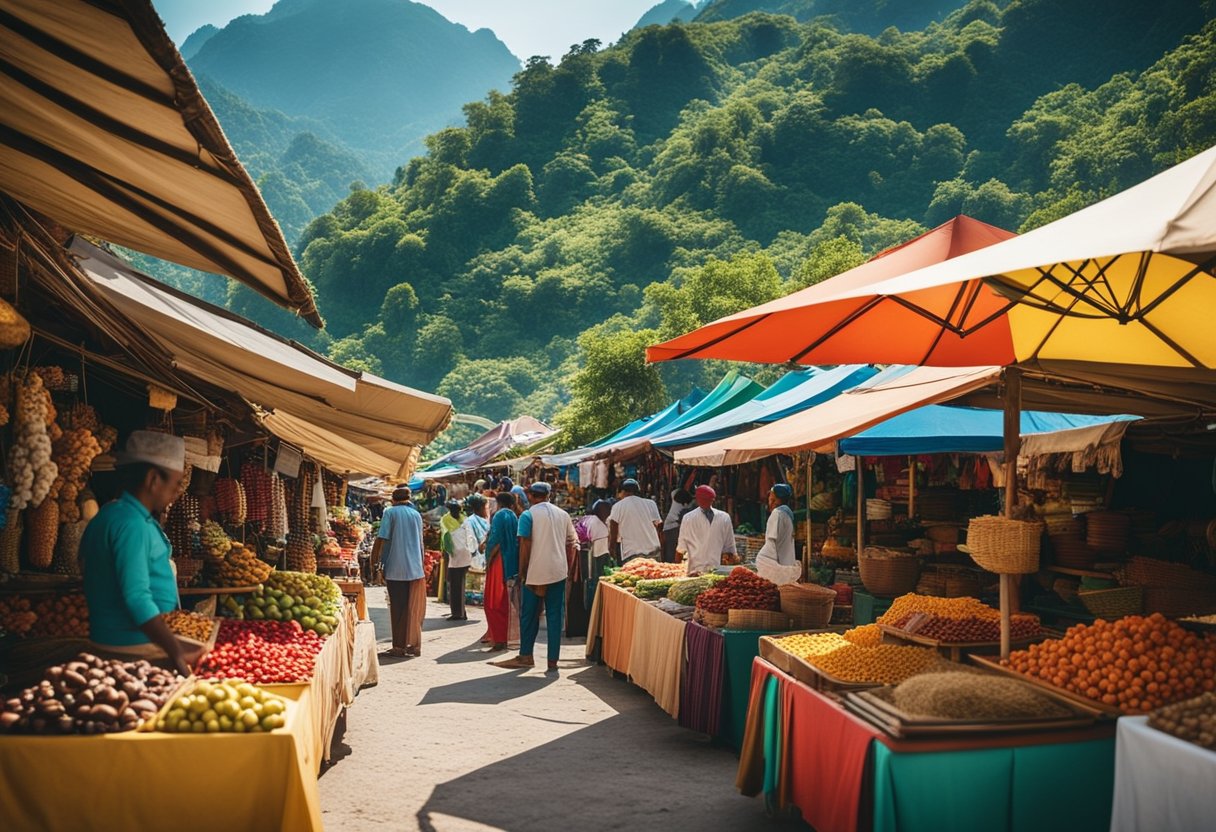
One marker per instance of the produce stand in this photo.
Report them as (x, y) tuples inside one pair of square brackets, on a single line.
[(952, 650), (1161, 782), (142, 780), (803, 750)]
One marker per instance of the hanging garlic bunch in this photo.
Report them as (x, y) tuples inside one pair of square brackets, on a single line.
[(277, 525), (30, 467)]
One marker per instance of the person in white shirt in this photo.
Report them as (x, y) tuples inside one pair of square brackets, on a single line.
[(706, 533), (596, 527), (681, 502), (779, 533), (547, 544), (634, 524)]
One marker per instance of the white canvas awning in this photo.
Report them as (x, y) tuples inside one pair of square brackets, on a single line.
[(103, 129)]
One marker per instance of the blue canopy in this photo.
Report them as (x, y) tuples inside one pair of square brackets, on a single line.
[(936, 429), (655, 421), (793, 392)]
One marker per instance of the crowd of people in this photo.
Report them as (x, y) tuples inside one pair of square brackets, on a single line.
[(530, 548)]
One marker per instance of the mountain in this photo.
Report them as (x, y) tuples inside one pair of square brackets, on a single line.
[(378, 74), (867, 16), (669, 11), (632, 193), (198, 37)]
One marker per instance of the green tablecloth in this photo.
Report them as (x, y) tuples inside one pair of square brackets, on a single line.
[(742, 647), (1039, 788)]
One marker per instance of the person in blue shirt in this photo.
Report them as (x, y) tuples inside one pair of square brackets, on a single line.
[(128, 574), (501, 597), (399, 548), (521, 498)]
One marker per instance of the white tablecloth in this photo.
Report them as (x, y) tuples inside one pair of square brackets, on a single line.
[(366, 667), (1162, 783)]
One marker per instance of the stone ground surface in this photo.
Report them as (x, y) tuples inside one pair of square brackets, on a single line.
[(446, 743)]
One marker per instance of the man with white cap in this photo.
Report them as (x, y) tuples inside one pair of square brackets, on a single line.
[(128, 575), (706, 534)]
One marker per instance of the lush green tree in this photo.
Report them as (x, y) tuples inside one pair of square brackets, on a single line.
[(830, 258)]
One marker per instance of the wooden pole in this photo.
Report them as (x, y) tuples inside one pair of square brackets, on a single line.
[(1013, 442), (810, 538), (858, 470), (911, 487)]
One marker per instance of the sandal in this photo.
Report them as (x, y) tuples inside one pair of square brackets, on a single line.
[(517, 663)]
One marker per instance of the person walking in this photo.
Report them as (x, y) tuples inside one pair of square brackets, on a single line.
[(502, 574), (448, 523), (779, 533), (547, 544), (634, 524), (399, 548), (681, 502), (706, 534), (466, 541)]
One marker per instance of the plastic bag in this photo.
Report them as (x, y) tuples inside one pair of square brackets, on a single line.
[(771, 570)]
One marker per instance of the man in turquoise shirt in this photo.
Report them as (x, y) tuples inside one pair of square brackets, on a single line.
[(128, 575)]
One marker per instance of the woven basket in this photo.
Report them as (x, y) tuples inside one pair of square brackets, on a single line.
[(1113, 603), (1005, 546), (888, 574), (807, 605), (711, 619), (758, 620), (1175, 603), (187, 570)]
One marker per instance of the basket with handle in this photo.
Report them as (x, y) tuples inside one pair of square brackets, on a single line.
[(1004, 545), (1113, 603), (757, 620), (887, 572)]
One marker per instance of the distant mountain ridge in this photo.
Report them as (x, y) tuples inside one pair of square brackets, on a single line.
[(378, 74)]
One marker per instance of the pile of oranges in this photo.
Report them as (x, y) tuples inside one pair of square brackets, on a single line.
[(1137, 663)]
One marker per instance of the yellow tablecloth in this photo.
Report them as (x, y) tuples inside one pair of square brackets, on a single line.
[(657, 655), (617, 613), (182, 782), (185, 782)]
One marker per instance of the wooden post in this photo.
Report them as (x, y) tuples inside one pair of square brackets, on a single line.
[(859, 471), (1013, 442), (911, 487), (810, 537)]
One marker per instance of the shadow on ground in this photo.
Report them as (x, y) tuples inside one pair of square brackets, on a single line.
[(503, 686), (600, 776)]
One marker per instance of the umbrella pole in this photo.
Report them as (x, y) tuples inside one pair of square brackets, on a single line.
[(810, 543), (1013, 441)]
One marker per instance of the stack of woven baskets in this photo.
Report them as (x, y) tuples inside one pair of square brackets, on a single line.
[(1107, 532), (807, 606)]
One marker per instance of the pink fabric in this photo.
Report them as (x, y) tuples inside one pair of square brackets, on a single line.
[(497, 604)]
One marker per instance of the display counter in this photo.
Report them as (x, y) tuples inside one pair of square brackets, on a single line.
[(716, 681), (1161, 782), (805, 752)]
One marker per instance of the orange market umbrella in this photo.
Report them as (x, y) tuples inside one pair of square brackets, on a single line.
[(779, 331), (1126, 282)]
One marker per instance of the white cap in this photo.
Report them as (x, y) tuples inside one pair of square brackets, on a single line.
[(163, 450)]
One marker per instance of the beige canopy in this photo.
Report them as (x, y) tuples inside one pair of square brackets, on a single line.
[(223, 349), (335, 452), (103, 130), (888, 394)]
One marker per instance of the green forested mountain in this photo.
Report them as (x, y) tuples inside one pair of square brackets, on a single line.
[(377, 74), (631, 193), (668, 11), (867, 16)]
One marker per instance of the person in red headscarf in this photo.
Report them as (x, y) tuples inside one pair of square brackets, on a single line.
[(706, 533)]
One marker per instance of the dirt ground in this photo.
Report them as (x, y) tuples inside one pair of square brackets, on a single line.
[(445, 743)]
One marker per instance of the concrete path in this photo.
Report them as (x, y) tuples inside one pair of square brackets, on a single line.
[(446, 743)]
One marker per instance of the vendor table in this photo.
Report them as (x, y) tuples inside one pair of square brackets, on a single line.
[(156, 781), (717, 680), (803, 750), (355, 593), (612, 615), (656, 657), (1161, 782)]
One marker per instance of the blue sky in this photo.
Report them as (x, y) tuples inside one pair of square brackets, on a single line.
[(527, 27)]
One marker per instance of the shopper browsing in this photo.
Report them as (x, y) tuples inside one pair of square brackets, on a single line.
[(547, 543), (706, 534), (779, 533), (466, 541), (399, 548), (633, 525), (502, 575)]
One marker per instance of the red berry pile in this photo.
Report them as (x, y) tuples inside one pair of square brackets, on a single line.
[(742, 590)]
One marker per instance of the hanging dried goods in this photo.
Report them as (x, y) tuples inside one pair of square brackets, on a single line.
[(67, 548), (183, 524), (230, 501), (31, 469), (42, 533), (256, 484), (277, 521), (214, 540), (10, 542), (73, 454)]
